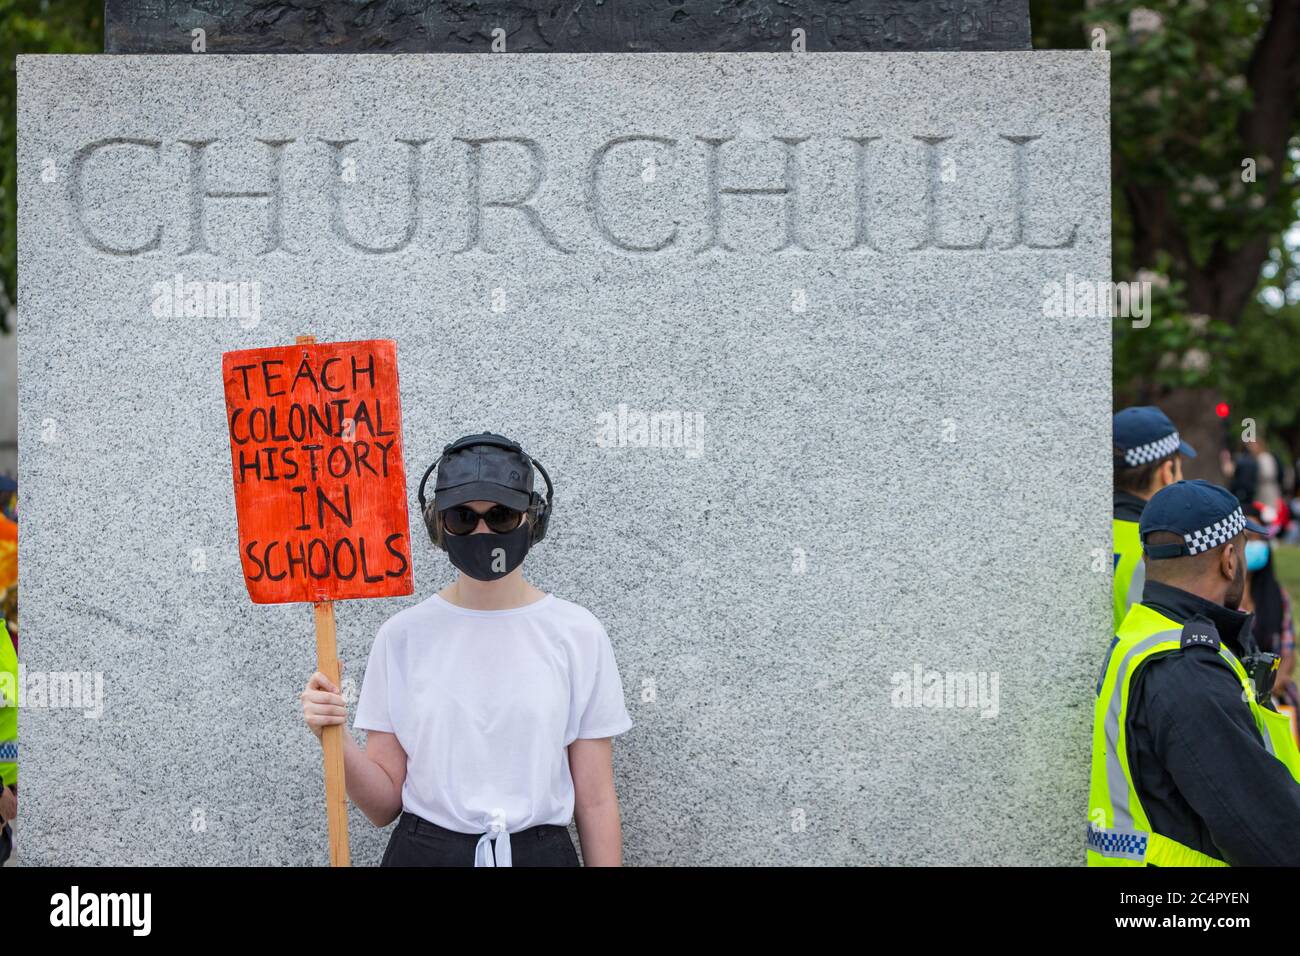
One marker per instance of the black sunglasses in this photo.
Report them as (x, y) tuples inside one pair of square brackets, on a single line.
[(462, 519)]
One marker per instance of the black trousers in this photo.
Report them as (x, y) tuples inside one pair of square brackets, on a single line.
[(417, 842)]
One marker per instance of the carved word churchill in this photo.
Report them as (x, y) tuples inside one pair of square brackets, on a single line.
[(601, 209)]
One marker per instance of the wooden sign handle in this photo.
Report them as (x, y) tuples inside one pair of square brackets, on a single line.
[(327, 662), (336, 797)]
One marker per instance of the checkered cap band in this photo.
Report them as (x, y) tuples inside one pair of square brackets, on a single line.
[(1152, 451), (1216, 534)]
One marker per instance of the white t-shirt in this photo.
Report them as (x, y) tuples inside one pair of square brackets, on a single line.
[(485, 702)]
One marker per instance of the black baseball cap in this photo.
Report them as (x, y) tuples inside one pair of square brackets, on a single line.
[(484, 467), (1204, 515)]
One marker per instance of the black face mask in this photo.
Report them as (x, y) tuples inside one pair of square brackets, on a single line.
[(489, 556)]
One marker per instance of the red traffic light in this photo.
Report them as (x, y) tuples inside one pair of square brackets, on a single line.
[(1222, 409)]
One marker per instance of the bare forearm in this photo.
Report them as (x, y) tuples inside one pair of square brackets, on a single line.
[(600, 832), (369, 786)]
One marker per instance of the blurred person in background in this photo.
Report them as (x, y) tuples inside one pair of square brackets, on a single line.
[(1255, 474), (8, 665), (1292, 506), (1269, 602), (9, 612), (9, 557)]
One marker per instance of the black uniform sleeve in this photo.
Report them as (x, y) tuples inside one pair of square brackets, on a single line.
[(1208, 741)]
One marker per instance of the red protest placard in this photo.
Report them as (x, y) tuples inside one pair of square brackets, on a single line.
[(320, 488)]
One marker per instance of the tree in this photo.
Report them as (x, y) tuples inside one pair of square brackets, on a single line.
[(1205, 152)]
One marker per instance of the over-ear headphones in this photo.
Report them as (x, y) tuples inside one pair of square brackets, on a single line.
[(539, 508)]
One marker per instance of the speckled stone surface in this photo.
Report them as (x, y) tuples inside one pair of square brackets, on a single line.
[(904, 463)]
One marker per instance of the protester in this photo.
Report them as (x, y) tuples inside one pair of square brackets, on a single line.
[(490, 706)]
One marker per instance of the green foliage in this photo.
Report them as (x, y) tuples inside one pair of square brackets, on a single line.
[(32, 26), (1176, 131), (1179, 349), (1179, 92), (1264, 360)]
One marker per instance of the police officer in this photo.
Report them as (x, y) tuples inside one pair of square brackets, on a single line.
[(1191, 766), (1148, 455)]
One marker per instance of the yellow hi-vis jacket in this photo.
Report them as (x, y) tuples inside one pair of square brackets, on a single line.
[(1130, 569), (9, 710), (1119, 833)]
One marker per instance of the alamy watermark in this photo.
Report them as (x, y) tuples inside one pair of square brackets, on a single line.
[(1092, 299), (68, 690), (211, 299), (668, 428), (946, 690)]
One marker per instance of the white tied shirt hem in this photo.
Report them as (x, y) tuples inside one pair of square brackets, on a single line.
[(485, 854)]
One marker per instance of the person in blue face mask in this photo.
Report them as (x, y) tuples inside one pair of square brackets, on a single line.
[(1269, 602), (490, 706)]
